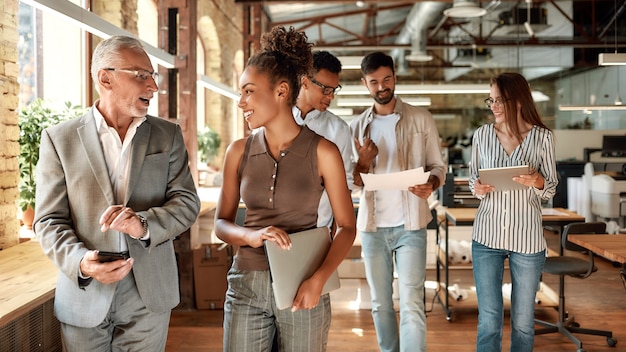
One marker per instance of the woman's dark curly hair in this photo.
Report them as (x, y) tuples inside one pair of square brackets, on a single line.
[(285, 56)]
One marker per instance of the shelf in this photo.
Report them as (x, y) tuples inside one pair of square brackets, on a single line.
[(441, 255), (465, 217)]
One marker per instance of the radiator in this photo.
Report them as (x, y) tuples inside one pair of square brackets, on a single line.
[(35, 331)]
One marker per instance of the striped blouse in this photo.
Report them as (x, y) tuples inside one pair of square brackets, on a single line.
[(511, 220)]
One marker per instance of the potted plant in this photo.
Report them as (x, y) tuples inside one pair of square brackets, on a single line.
[(32, 120), (208, 144)]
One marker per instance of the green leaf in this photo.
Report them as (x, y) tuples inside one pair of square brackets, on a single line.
[(32, 120)]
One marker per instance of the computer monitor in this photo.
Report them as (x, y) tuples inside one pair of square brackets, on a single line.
[(455, 156), (614, 146)]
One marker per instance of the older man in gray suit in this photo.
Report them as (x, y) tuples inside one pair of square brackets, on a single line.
[(115, 180)]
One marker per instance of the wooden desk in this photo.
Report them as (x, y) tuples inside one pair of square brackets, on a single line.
[(611, 247), (28, 280), (465, 217)]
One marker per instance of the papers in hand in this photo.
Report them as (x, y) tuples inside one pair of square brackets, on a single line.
[(395, 180)]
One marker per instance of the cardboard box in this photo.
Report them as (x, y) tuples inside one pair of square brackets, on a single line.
[(211, 263), (354, 253), (351, 269)]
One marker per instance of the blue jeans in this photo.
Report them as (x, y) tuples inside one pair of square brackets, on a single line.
[(407, 249), (488, 264)]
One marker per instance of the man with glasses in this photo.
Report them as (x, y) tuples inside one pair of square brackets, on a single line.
[(393, 136), (316, 94), (115, 180)]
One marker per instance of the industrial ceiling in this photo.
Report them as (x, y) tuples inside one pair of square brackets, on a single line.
[(544, 40)]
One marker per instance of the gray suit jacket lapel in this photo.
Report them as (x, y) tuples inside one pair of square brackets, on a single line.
[(140, 146), (90, 141)]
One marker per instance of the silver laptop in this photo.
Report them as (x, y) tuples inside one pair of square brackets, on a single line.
[(502, 177), (289, 268)]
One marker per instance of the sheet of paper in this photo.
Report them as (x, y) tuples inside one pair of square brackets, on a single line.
[(395, 180)]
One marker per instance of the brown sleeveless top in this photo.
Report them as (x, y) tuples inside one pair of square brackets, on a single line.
[(284, 193)]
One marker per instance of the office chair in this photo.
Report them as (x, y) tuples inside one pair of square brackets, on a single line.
[(579, 268)]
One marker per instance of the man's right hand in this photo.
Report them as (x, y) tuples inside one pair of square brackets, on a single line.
[(107, 273), (367, 152)]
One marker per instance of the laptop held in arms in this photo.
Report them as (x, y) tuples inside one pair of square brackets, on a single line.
[(289, 268)]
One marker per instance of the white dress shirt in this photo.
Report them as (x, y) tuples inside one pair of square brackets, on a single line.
[(117, 156), (336, 130)]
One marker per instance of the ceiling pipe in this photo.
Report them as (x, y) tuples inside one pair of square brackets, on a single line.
[(421, 16)]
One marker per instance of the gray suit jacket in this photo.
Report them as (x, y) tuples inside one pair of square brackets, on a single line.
[(73, 190)]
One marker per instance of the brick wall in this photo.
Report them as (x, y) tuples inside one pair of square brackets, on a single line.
[(9, 131)]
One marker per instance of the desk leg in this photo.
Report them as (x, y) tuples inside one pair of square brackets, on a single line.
[(445, 303), (622, 274)]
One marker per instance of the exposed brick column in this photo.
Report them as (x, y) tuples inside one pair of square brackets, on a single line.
[(9, 130)]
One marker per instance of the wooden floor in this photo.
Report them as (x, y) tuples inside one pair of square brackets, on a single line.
[(596, 302)]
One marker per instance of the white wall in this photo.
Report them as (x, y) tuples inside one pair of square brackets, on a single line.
[(569, 144)]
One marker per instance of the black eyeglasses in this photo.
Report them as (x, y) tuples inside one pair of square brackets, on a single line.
[(326, 90), (141, 74), (490, 102)]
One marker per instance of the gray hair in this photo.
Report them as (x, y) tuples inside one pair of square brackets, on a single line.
[(108, 51)]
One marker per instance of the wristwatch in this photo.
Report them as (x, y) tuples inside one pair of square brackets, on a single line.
[(144, 223)]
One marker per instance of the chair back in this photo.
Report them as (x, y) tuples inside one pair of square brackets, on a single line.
[(581, 227)]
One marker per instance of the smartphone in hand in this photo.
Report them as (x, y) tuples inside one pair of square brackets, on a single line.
[(105, 257)]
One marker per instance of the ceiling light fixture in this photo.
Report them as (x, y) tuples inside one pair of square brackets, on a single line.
[(405, 89), (418, 56), (350, 62), (96, 25), (608, 59), (591, 107), (369, 102), (464, 9)]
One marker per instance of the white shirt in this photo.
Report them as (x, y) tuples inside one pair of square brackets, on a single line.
[(336, 130), (511, 220), (117, 157), (389, 212)]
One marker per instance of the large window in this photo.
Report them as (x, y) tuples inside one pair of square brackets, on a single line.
[(52, 63)]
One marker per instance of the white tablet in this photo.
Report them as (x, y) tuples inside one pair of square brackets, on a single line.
[(502, 177)]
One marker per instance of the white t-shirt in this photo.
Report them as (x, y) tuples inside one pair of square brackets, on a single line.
[(389, 211)]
